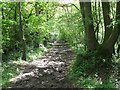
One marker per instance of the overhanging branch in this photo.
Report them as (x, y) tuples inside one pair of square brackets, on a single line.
[(70, 4)]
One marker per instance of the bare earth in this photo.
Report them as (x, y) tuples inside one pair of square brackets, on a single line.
[(50, 71)]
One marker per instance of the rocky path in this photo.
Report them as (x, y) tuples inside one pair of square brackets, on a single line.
[(50, 71)]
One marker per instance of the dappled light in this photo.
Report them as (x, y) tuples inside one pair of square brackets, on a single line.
[(60, 44), (52, 65)]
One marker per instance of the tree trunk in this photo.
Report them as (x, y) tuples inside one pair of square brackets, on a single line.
[(83, 19), (91, 40), (106, 48), (118, 16), (107, 20), (118, 26), (22, 38), (36, 9), (110, 38), (14, 26), (2, 13)]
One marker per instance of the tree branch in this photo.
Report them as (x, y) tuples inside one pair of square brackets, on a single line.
[(71, 4)]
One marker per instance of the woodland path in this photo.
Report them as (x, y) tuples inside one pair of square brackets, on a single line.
[(50, 71)]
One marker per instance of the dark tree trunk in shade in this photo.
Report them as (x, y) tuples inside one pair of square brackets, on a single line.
[(36, 9), (105, 49), (90, 38), (107, 20), (22, 38)]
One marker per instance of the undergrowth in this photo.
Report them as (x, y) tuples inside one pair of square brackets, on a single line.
[(11, 65), (90, 71)]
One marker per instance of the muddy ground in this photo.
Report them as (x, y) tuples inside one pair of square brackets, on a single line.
[(49, 71)]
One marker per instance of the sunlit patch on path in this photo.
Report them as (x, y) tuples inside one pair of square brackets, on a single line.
[(49, 71)]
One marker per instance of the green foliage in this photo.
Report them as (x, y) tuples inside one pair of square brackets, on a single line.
[(37, 29), (31, 55), (0, 42), (72, 32), (52, 24), (35, 54), (9, 70), (88, 70), (83, 64)]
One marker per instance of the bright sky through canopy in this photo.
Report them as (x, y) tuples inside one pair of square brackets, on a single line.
[(65, 1)]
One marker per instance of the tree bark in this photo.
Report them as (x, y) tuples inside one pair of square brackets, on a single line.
[(83, 20), (2, 13), (82, 11), (22, 38), (105, 50), (36, 9), (118, 26), (91, 40), (107, 20)]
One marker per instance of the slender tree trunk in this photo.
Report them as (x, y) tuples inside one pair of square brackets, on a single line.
[(22, 33), (36, 8), (2, 13), (118, 16), (118, 26), (97, 18), (14, 26), (83, 20), (106, 49), (107, 20)]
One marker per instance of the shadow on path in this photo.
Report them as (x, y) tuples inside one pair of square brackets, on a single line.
[(49, 71)]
